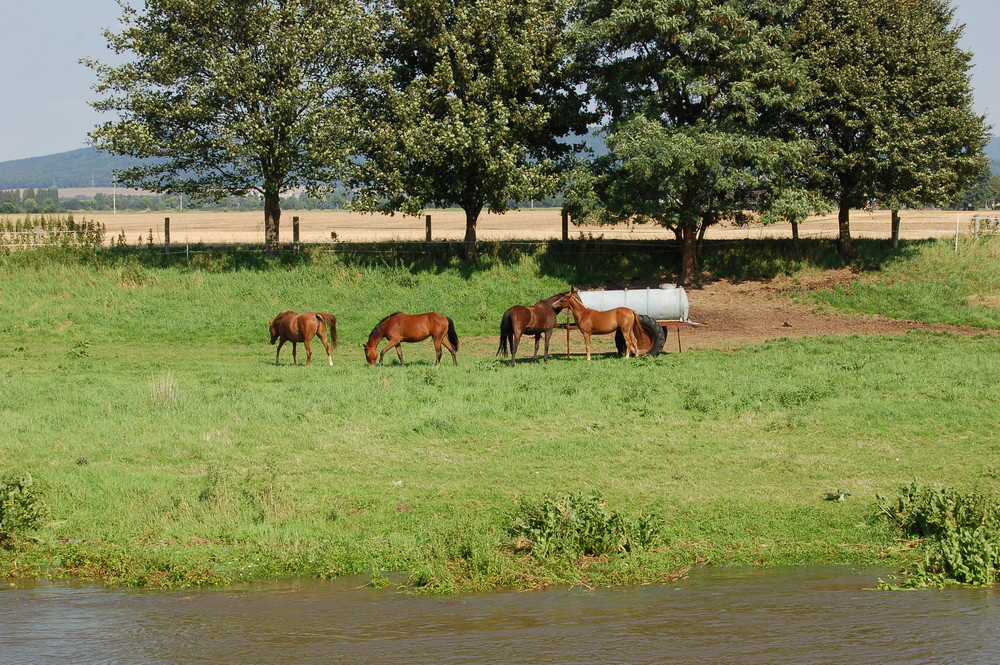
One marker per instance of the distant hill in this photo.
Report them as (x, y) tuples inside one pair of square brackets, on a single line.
[(86, 167)]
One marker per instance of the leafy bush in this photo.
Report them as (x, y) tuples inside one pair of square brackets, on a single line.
[(578, 525), (926, 512), (21, 507), (963, 532)]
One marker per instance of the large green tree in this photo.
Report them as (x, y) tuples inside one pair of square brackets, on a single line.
[(891, 113), (695, 93), (228, 97), (470, 104)]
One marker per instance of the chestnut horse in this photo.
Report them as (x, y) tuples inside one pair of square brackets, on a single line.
[(400, 327), (592, 321), (538, 319), (294, 328)]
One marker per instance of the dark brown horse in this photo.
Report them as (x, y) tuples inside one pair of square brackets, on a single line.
[(538, 319), (592, 321), (400, 327), (294, 328)]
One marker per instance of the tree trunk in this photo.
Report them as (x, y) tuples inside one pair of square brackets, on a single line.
[(470, 250), (689, 262), (272, 220), (845, 246), (895, 229)]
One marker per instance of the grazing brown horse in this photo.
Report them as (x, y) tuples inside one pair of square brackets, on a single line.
[(592, 321), (400, 327), (294, 328), (538, 319)]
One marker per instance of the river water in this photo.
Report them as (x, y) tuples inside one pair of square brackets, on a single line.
[(717, 615)]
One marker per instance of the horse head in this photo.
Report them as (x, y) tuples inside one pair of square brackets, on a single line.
[(274, 331), (371, 353), (568, 299)]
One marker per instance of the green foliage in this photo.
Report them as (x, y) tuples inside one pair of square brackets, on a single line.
[(925, 512), (891, 115), (470, 108), (983, 193), (579, 524), (694, 93), (45, 230), (268, 105), (21, 508), (962, 530)]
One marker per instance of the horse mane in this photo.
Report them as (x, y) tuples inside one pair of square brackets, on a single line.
[(378, 326)]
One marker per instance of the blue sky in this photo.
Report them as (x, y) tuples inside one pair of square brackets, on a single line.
[(45, 108)]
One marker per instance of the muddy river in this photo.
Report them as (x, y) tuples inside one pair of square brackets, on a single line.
[(717, 615)]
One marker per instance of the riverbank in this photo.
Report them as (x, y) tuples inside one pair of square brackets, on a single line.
[(143, 399)]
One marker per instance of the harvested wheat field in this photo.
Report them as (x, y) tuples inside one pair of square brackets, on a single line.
[(319, 226)]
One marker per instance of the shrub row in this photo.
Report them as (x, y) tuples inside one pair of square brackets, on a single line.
[(50, 230)]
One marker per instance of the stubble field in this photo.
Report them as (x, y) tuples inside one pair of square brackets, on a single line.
[(316, 226)]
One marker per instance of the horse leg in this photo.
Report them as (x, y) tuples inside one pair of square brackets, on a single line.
[(399, 352), (538, 338), (295, 360), (309, 352), (437, 350), (326, 345), (548, 336), (514, 343), (388, 346), (447, 345), (586, 343), (278, 352)]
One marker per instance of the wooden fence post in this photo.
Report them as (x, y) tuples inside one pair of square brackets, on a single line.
[(565, 225), (166, 235), (295, 233), (427, 220)]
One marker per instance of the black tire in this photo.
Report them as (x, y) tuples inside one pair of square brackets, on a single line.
[(654, 331)]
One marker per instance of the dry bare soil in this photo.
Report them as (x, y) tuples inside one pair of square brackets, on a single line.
[(742, 313)]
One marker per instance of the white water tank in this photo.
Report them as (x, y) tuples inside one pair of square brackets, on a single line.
[(669, 302)]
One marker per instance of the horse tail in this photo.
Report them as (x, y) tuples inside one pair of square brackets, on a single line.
[(637, 330), (452, 335), (506, 334), (331, 322)]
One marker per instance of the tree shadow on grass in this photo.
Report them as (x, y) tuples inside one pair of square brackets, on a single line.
[(583, 262)]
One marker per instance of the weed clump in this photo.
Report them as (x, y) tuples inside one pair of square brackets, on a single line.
[(962, 533), (578, 525), (21, 508)]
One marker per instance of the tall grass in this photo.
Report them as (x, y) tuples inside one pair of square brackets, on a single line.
[(938, 284), (144, 401)]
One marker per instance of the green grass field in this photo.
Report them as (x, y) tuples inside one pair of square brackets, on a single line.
[(144, 401)]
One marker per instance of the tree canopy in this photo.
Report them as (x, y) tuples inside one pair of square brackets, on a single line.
[(693, 93), (470, 103), (234, 96), (890, 116), (713, 110)]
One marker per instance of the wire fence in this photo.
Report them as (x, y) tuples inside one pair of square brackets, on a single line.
[(88, 234)]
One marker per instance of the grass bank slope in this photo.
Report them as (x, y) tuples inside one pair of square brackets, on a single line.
[(143, 400)]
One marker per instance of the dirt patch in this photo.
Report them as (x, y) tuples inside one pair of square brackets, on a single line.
[(738, 314)]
